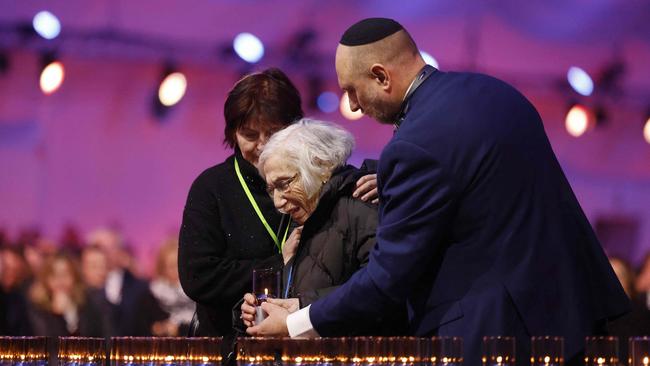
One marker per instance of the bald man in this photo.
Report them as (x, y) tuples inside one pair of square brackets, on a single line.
[(479, 231)]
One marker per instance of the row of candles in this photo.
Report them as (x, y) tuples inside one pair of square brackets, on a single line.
[(256, 351)]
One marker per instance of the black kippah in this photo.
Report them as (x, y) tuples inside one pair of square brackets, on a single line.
[(369, 30)]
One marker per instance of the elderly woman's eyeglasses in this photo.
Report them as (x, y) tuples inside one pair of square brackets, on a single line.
[(282, 185)]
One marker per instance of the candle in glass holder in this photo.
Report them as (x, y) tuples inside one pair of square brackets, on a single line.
[(266, 284), (547, 351), (639, 351), (498, 351), (446, 351), (204, 351), (601, 351)]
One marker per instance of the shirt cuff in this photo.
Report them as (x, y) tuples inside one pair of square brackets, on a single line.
[(299, 324)]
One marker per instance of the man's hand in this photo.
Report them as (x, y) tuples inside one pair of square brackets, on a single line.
[(367, 188), (274, 325), (292, 305)]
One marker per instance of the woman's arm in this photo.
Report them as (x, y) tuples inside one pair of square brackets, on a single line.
[(206, 274)]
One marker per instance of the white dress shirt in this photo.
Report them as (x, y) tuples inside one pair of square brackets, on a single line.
[(299, 324)]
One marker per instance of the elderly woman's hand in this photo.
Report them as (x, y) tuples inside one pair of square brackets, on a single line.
[(248, 310), (367, 188), (291, 245), (248, 307)]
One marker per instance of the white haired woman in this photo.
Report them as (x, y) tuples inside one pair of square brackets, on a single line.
[(305, 169)]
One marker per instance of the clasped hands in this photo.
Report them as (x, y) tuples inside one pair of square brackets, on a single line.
[(275, 323)]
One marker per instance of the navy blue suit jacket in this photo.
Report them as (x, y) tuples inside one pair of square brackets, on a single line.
[(479, 230)]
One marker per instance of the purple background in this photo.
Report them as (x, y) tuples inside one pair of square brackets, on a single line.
[(93, 154)]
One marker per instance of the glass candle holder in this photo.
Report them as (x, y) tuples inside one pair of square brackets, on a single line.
[(601, 351), (204, 351), (639, 351), (547, 351), (79, 351), (498, 351), (300, 351), (446, 351), (266, 284), (133, 351), (23, 351), (170, 351), (333, 351), (257, 351), (404, 350)]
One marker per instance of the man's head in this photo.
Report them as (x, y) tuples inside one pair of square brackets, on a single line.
[(376, 61)]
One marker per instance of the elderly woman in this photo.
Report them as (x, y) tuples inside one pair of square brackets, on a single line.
[(305, 170), (230, 225)]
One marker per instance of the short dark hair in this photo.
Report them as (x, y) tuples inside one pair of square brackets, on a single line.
[(268, 96)]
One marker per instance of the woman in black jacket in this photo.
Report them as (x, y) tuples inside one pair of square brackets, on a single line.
[(305, 172), (230, 225)]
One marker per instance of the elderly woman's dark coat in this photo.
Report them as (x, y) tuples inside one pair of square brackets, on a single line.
[(335, 243)]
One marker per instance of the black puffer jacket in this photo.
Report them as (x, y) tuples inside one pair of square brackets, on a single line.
[(336, 242)]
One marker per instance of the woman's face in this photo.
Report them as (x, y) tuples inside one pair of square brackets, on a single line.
[(61, 278), (252, 137), (94, 267), (286, 189)]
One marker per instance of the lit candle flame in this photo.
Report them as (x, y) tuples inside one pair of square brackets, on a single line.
[(266, 291), (600, 360), (646, 361), (499, 359)]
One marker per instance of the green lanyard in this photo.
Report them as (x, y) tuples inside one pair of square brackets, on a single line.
[(258, 211)]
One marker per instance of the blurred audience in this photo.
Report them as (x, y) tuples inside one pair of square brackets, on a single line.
[(37, 251), (166, 288), (15, 271), (71, 240), (94, 267), (637, 321), (134, 309), (14, 277), (60, 305)]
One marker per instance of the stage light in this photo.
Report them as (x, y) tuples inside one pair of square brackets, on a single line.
[(172, 89), (52, 77), (346, 111), (646, 130), (580, 81), (327, 102), (46, 24), (578, 120), (248, 47), (429, 59)]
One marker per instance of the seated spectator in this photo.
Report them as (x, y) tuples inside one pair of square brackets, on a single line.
[(166, 288), (135, 310), (14, 277), (94, 267), (94, 270), (60, 305)]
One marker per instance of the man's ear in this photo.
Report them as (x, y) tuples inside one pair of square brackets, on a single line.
[(380, 75)]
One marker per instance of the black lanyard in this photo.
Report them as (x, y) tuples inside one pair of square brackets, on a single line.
[(423, 75)]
